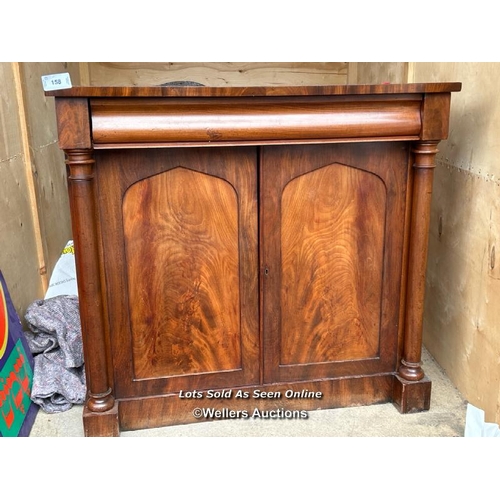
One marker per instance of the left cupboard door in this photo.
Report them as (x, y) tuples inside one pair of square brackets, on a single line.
[(180, 253)]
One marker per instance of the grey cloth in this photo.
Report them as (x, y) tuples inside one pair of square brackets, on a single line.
[(55, 340)]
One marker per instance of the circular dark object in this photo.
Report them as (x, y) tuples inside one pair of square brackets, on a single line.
[(182, 83)]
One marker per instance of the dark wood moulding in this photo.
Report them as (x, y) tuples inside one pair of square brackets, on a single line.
[(320, 90)]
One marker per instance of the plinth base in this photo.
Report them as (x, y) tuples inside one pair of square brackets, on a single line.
[(103, 424), (411, 397)]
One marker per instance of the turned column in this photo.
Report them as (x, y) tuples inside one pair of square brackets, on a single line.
[(425, 152), (81, 167)]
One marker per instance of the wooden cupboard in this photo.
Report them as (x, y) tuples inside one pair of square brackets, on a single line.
[(250, 239)]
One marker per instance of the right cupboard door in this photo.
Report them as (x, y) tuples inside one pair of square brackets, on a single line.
[(332, 237)]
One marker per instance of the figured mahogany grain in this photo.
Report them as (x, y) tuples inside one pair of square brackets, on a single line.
[(332, 244), (184, 305)]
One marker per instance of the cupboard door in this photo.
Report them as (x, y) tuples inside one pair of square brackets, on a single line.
[(182, 267), (332, 238)]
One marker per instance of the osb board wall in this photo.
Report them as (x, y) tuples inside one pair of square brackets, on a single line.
[(462, 318), (34, 211), (218, 73)]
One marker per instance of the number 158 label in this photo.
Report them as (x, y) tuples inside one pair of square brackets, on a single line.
[(56, 82)]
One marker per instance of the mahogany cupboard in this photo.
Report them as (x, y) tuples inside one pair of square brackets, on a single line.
[(250, 239)]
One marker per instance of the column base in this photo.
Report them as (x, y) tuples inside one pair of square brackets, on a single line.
[(411, 397), (103, 424)]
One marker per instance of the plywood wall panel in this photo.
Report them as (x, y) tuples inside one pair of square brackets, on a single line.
[(18, 251), (462, 316), (219, 73), (474, 142), (18, 255), (10, 138)]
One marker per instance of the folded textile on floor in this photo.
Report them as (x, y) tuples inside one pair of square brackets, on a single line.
[(55, 340)]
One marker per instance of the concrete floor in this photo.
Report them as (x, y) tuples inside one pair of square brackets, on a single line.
[(446, 418)]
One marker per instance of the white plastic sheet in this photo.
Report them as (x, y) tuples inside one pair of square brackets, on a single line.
[(63, 279), (475, 426)]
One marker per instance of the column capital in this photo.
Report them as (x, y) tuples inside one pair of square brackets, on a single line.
[(425, 152)]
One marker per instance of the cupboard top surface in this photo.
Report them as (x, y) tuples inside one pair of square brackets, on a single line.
[(327, 90)]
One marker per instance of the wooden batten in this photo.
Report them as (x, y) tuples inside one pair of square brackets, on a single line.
[(84, 69)]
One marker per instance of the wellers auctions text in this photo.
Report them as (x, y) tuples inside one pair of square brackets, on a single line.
[(255, 394), (226, 413)]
